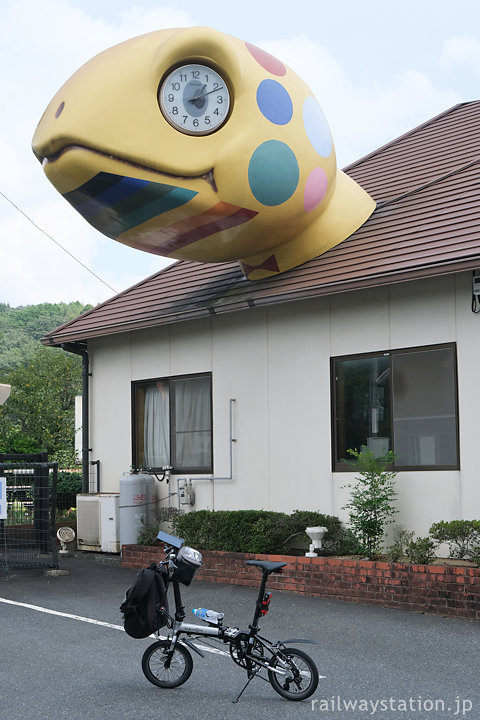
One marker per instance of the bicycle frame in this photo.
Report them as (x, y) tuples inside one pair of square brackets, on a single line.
[(248, 648)]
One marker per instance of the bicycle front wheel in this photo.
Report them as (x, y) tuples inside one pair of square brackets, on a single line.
[(295, 675), (157, 668)]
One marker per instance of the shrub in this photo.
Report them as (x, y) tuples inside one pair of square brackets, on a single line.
[(259, 531), (463, 537), (371, 504), (148, 533), (69, 484), (250, 531), (421, 551), (397, 550)]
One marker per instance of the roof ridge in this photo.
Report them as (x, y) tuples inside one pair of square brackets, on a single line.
[(409, 133), (428, 184)]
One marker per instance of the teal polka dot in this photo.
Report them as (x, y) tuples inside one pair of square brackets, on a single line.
[(273, 173)]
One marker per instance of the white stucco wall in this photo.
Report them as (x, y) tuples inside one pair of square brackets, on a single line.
[(275, 363)]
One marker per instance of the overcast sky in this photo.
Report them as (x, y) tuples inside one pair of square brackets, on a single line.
[(377, 67)]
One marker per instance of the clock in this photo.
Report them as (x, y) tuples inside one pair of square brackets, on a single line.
[(194, 99)]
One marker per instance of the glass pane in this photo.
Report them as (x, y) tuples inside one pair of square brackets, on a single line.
[(153, 425), (193, 423), (362, 410), (424, 408), (193, 450)]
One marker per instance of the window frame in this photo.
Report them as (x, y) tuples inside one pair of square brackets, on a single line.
[(170, 380), (338, 466)]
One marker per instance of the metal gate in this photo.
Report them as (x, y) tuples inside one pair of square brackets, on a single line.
[(27, 534)]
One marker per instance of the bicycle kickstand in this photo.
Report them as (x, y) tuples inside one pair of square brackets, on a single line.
[(250, 678)]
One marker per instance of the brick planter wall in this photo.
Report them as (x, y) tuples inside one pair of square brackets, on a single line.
[(439, 589)]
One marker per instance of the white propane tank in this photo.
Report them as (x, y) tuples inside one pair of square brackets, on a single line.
[(133, 504)]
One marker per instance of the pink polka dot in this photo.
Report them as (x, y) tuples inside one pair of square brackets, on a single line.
[(267, 61), (315, 189)]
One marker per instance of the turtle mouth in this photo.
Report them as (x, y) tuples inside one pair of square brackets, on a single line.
[(46, 160), (132, 202)]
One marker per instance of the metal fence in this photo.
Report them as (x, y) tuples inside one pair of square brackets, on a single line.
[(28, 533)]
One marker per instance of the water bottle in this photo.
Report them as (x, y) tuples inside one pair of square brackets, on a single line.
[(209, 616)]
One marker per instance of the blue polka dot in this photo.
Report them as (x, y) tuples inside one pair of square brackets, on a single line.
[(317, 128), (273, 173), (274, 102)]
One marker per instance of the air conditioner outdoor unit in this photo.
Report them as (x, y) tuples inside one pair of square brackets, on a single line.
[(97, 522)]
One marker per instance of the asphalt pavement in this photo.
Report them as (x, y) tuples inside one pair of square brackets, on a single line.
[(64, 654)]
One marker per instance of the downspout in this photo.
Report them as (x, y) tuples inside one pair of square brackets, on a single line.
[(81, 349)]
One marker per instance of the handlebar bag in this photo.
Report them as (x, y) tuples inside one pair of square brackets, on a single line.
[(187, 563)]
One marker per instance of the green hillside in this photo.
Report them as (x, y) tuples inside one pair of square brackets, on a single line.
[(22, 327)]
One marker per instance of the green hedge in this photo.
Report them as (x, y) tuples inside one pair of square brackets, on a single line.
[(463, 537), (260, 531), (69, 484)]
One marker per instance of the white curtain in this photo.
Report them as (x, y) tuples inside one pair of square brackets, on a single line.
[(156, 434), (193, 422)]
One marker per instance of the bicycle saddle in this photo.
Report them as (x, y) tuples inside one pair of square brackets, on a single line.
[(267, 566)]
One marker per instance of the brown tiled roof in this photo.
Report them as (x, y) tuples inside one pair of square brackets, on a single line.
[(427, 222)]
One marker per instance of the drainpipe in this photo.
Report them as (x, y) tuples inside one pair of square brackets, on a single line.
[(81, 349)]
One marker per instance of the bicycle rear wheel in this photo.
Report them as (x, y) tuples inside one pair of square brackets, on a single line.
[(299, 675), (159, 671)]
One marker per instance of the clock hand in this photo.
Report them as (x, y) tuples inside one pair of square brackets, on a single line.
[(197, 94), (199, 97)]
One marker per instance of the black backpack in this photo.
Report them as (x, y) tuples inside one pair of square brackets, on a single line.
[(145, 606)]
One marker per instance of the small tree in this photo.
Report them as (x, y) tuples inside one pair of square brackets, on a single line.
[(371, 504), (39, 415)]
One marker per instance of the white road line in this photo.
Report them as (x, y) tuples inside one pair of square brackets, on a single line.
[(205, 648), (47, 611), (61, 614)]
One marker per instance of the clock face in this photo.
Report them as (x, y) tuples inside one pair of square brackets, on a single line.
[(194, 99)]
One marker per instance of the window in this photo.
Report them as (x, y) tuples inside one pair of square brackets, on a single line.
[(400, 400), (172, 423)]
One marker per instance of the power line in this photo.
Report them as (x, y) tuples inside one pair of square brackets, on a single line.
[(57, 243)]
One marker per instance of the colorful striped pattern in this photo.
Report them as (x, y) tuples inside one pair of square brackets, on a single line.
[(221, 216), (114, 204)]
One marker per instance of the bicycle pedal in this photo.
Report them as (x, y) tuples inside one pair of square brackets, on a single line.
[(231, 632)]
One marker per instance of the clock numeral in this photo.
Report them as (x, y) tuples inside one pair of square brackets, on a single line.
[(188, 92)]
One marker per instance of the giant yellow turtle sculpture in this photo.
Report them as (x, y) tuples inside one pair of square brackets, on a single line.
[(190, 143)]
